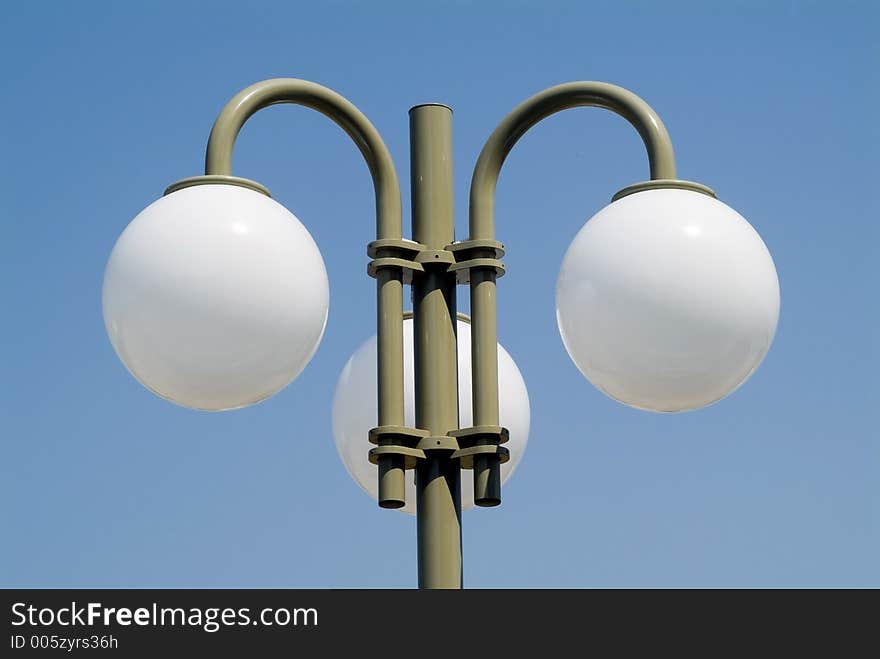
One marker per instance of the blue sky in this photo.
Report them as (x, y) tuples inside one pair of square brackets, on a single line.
[(772, 104)]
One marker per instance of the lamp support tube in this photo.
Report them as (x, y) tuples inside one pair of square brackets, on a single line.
[(389, 355), (438, 476), (389, 278), (484, 329)]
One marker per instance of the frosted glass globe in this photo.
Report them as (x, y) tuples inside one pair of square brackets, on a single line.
[(667, 300), (215, 297), (354, 411)]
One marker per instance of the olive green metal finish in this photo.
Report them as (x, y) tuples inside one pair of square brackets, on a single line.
[(433, 265), (216, 179), (438, 485), (484, 330), (218, 159), (550, 101), (389, 321), (664, 184), (388, 269), (484, 370)]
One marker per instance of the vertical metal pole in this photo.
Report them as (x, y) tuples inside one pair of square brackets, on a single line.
[(438, 479), (389, 281), (484, 364)]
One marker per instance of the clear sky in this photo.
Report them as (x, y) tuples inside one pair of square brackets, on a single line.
[(774, 105)]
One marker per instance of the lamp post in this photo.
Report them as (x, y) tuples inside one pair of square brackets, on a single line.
[(215, 296)]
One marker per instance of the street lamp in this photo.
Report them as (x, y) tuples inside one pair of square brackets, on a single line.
[(215, 297)]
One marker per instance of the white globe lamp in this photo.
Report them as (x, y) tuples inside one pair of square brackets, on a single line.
[(667, 300), (354, 411), (215, 297)]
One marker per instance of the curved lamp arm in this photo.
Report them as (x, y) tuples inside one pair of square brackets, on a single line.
[(218, 159), (482, 244), (542, 105), (389, 231)]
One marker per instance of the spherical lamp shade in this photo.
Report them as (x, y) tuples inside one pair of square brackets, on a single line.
[(667, 300), (215, 297), (354, 411)]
